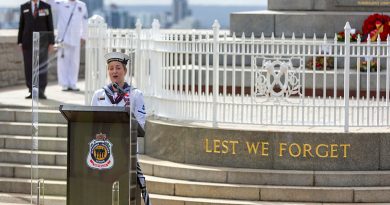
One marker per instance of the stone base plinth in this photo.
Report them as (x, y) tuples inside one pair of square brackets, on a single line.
[(261, 147), (298, 22)]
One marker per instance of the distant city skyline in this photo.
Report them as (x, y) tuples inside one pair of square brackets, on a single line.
[(177, 14), (17, 3)]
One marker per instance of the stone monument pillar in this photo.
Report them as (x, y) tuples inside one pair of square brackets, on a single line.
[(306, 16)]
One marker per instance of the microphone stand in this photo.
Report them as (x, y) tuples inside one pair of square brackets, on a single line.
[(120, 90)]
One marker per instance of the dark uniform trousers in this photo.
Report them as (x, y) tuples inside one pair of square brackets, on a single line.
[(43, 67), (42, 23)]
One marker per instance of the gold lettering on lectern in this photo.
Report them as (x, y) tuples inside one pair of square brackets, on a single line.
[(220, 146)]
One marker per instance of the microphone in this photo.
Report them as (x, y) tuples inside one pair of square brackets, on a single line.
[(120, 90)]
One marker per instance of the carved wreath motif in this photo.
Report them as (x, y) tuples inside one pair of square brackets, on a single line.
[(277, 79)]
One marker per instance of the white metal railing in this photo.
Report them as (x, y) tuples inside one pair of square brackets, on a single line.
[(217, 77)]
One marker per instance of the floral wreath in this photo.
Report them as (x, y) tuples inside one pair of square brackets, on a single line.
[(376, 25)]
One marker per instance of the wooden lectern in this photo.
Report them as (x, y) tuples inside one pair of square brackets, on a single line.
[(99, 161)]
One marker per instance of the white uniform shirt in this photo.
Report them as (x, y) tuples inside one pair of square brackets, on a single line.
[(78, 25), (136, 102)]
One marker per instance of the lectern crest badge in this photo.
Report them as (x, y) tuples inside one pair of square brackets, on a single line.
[(100, 154)]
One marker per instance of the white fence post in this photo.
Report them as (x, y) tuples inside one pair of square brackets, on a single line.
[(347, 57), (95, 66), (154, 81), (216, 27), (154, 57), (137, 57)]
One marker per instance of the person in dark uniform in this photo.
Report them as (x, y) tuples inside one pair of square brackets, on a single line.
[(36, 16)]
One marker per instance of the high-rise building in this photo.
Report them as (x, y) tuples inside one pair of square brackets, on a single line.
[(119, 18), (93, 5), (180, 10)]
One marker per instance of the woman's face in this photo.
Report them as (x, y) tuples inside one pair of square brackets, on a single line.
[(117, 72)]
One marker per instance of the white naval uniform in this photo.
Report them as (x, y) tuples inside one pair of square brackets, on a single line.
[(100, 98), (136, 102), (68, 65)]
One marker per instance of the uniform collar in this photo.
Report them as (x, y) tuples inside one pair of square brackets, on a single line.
[(32, 3), (115, 99), (109, 90), (33, 6)]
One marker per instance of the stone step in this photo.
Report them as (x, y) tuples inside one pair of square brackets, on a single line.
[(158, 199), (24, 142), (12, 170), (19, 199), (23, 186), (167, 169), (184, 188), (24, 115), (24, 157), (25, 128)]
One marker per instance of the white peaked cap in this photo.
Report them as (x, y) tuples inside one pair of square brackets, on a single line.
[(117, 56)]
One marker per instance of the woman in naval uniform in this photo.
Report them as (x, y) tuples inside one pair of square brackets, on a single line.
[(119, 93), (112, 95)]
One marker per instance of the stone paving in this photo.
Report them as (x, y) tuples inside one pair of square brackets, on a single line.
[(14, 97)]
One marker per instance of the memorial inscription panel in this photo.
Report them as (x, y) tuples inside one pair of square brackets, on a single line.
[(267, 149)]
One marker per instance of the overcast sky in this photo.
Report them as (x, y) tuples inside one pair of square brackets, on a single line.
[(16, 3)]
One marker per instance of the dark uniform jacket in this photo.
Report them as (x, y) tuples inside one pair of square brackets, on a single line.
[(42, 22)]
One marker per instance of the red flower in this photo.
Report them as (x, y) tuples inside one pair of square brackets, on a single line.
[(377, 25), (353, 37)]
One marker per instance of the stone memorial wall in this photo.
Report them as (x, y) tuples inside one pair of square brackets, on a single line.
[(11, 58), (306, 16)]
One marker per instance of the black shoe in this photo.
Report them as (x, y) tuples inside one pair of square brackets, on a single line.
[(29, 96), (73, 89), (42, 96)]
